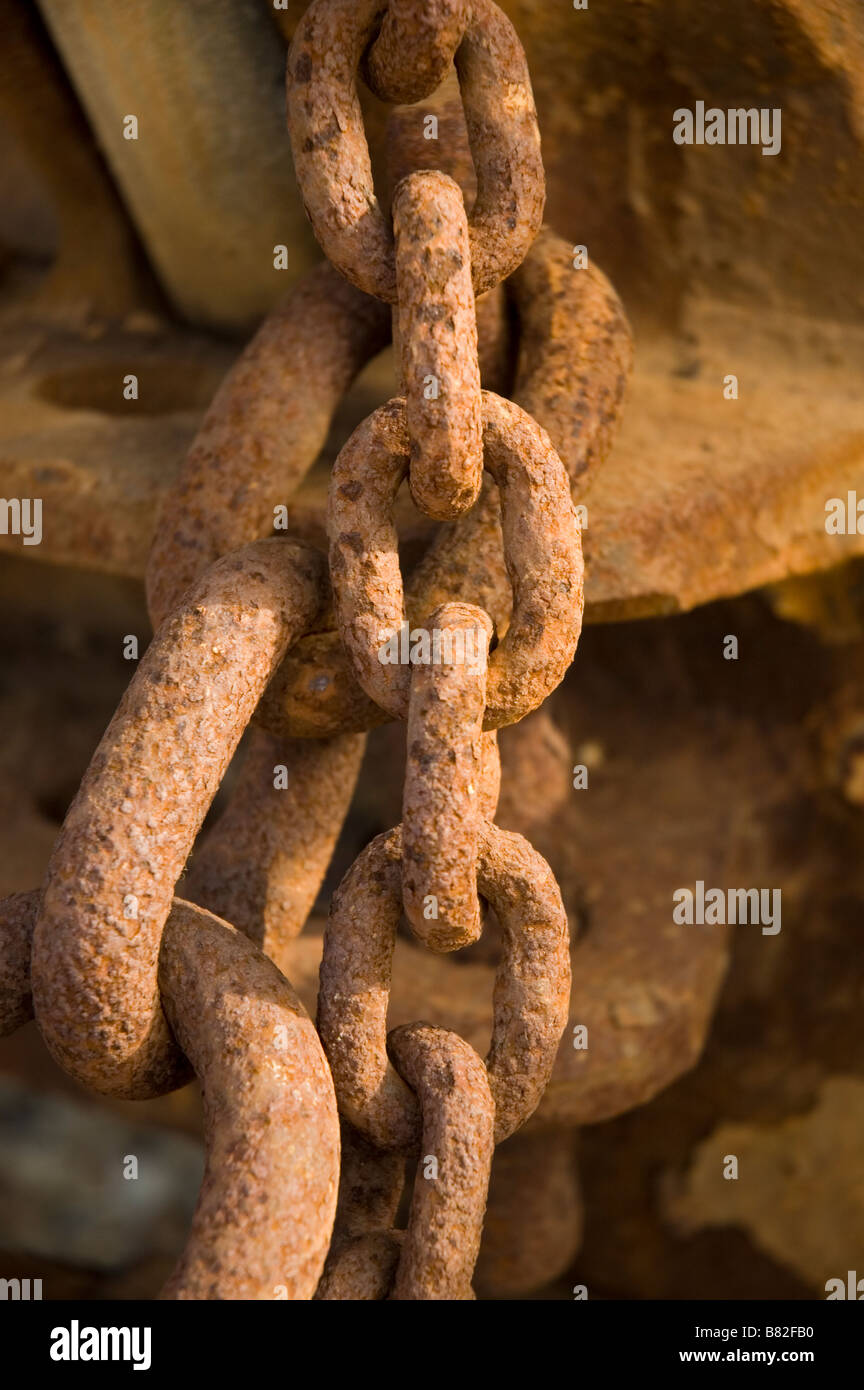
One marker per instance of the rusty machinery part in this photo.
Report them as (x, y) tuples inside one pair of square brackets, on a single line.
[(533, 1226), (331, 155), (436, 337), (542, 547), (128, 833), (445, 1222), (263, 430), (268, 1197), (314, 693), (263, 862), (441, 815), (414, 49), (532, 985)]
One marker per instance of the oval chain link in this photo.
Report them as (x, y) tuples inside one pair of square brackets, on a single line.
[(131, 985)]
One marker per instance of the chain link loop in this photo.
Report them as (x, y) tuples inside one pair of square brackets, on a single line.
[(131, 986), (262, 1225), (532, 985), (132, 825), (331, 156)]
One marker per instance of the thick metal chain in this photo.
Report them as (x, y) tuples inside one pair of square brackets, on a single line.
[(131, 985), (440, 441)]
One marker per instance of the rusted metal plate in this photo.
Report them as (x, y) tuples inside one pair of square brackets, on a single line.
[(700, 497)]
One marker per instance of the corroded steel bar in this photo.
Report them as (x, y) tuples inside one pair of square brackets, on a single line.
[(541, 543), (362, 1269), (263, 430), (415, 47), (262, 1225), (448, 1203), (331, 155), (437, 342), (267, 1202), (260, 435), (129, 830), (575, 351), (441, 815), (262, 864), (532, 986)]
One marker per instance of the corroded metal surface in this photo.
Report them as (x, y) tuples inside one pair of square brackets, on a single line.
[(168, 747), (267, 1202), (415, 47), (263, 430), (532, 986), (542, 544), (442, 802), (331, 155), (447, 1208), (141, 804), (437, 343)]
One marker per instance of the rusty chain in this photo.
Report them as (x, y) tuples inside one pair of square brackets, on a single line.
[(133, 987)]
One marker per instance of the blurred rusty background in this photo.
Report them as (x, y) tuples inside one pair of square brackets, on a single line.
[(155, 257)]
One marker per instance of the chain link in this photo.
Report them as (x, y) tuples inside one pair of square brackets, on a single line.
[(131, 985)]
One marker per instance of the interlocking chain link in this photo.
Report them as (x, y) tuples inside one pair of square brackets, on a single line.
[(265, 1212), (331, 156), (133, 987)]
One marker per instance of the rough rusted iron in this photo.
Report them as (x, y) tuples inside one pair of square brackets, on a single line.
[(449, 1198), (265, 1211), (331, 156), (370, 1186), (575, 351), (408, 151), (542, 545), (362, 1269), (532, 985), (267, 423), (314, 694), (575, 358), (167, 748), (264, 1216), (436, 334), (365, 1249), (141, 803), (415, 47), (441, 800), (262, 864), (490, 774)]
